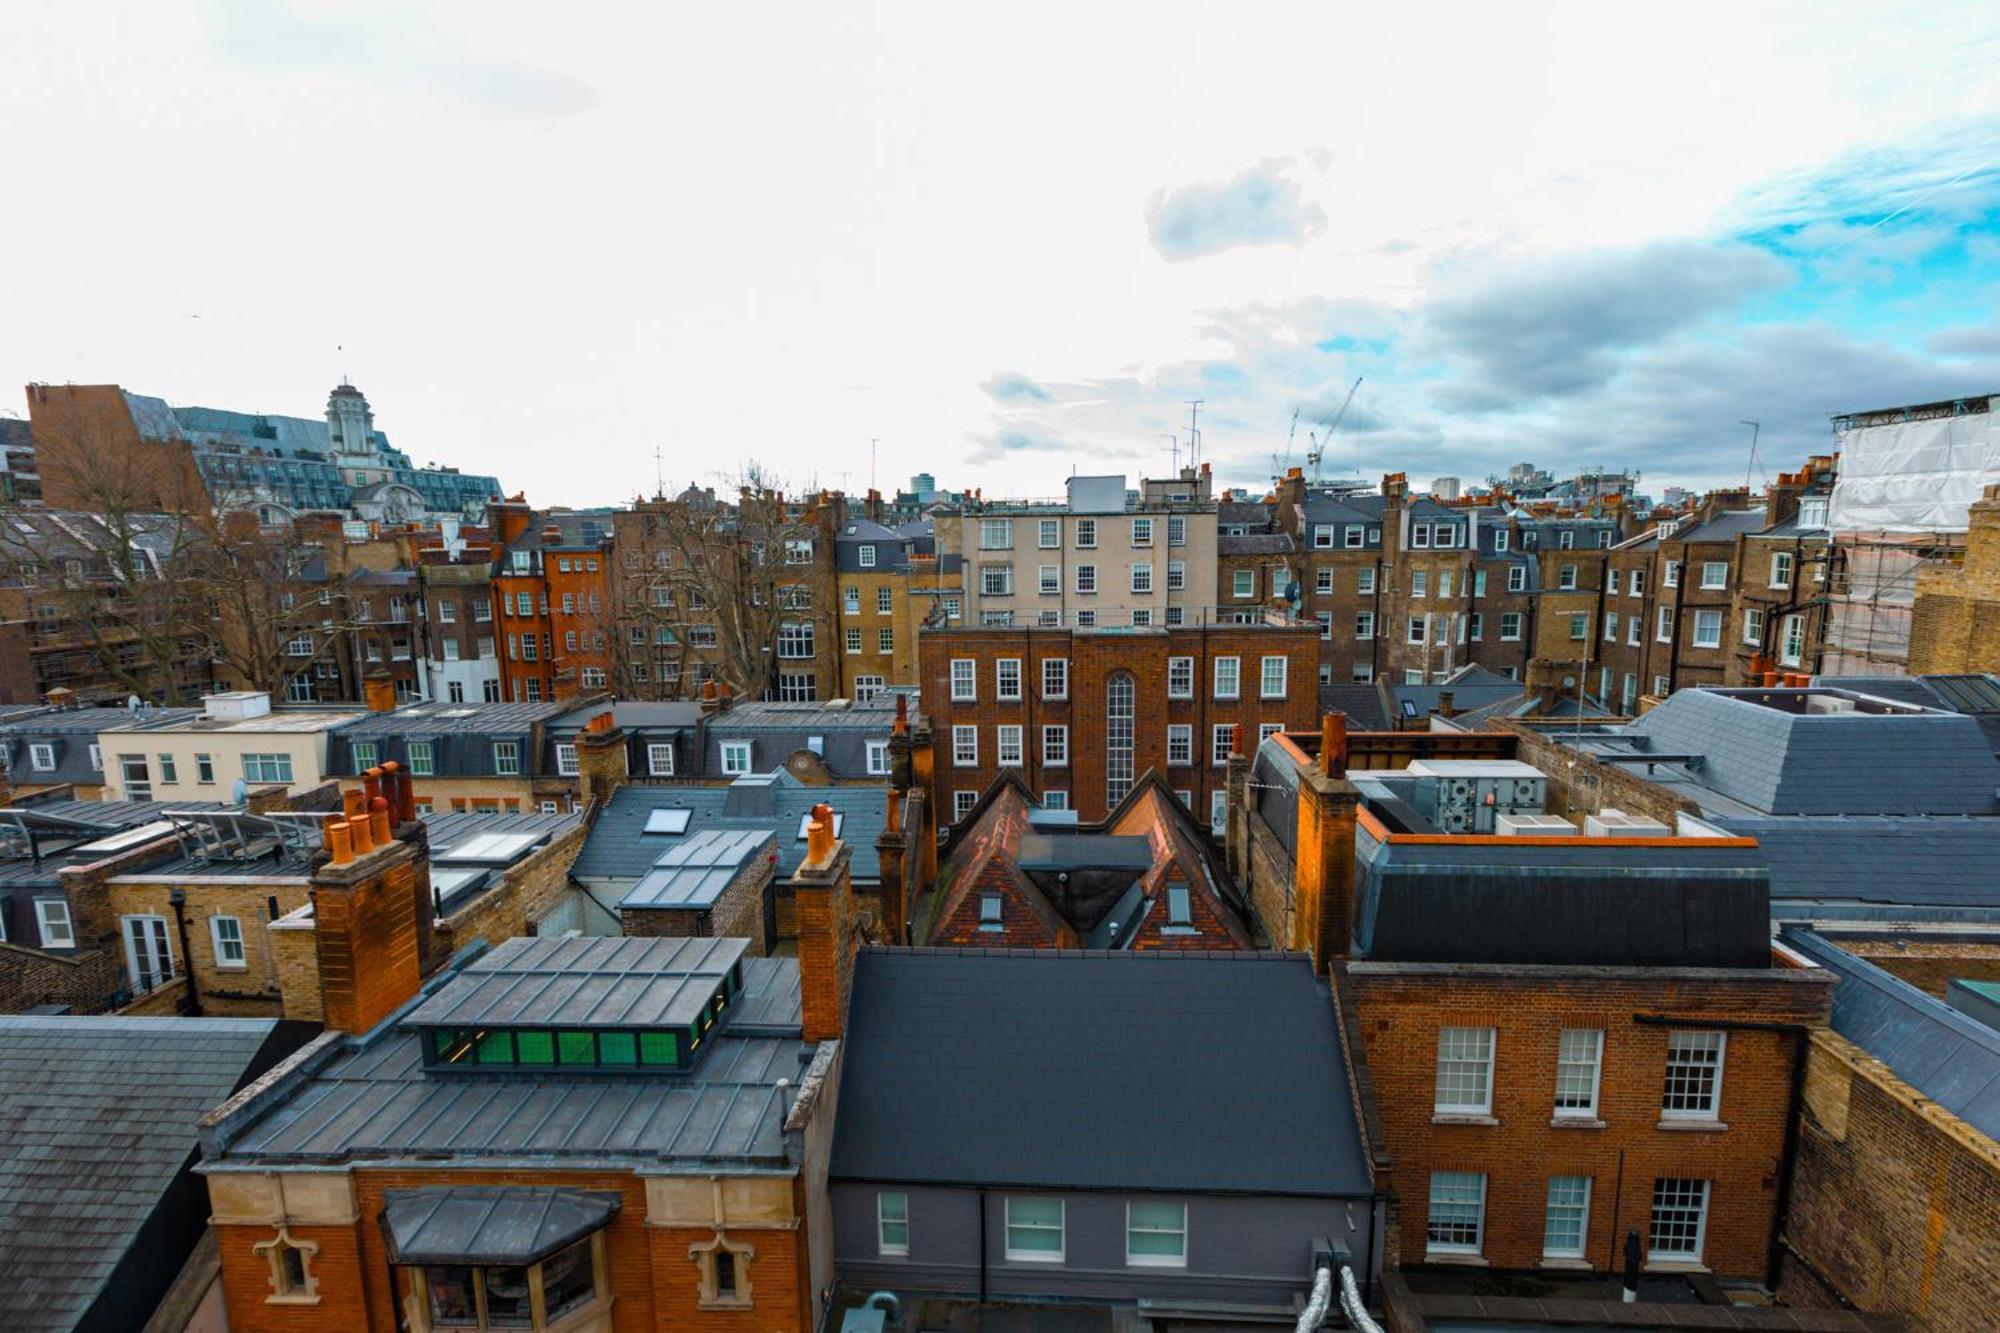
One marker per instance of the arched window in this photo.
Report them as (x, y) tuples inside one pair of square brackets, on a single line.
[(1117, 739)]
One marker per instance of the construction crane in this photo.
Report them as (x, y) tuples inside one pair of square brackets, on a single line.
[(1280, 463), (1317, 454)]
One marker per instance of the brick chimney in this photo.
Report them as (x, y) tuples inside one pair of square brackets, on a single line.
[(509, 519), (1323, 869), (603, 763), (892, 854), (823, 896), (378, 690), (371, 907)]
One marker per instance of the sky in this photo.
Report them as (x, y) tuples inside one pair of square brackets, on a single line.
[(587, 246)]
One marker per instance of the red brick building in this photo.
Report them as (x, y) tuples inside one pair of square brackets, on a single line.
[(553, 586), (1079, 715)]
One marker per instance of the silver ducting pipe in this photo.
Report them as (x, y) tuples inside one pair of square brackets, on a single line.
[(1322, 1296), (1350, 1302)]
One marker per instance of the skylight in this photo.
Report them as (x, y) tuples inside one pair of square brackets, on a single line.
[(668, 821), (805, 820)]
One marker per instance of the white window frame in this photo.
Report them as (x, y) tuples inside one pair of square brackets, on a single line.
[(1753, 626), (1458, 1181), (1007, 679), (1142, 576), (1792, 640), (1142, 531), (1704, 638), (1464, 1055), (877, 758), (964, 680), (54, 926), (1180, 678), (1364, 624), (1008, 745), (1688, 1050), (1086, 580), (1569, 1206), (1009, 1226), (996, 534), (1086, 534), (1055, 746), (964, 747), (42, 757), (1517, 578), (1180, 745), (1221, 742), (1048, 580), (566, 760), (735, 758), (962, 801), (885, 1247), (1714, 575), (660, 759), (1579, 1055), (1055, 678), (223, 963), (1234, 667), (1048, 534), (1663, 628), (1691, 1256), (1178, 1260), (1273, 676)]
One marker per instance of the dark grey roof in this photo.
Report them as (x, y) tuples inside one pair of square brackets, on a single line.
[(70, 734), (693, 871), (469, 835), (1723, 527), (1361, 703), (1778, 761), (374, 1100), (1949, 1057), (605, 982), (1902, 859), (448, 719), (98, 1116), (1343, 509), (1977, 696), (777, 730), (580, 529), (1255, 543), (619, 848), (632, 714), (511, 1224), (1129, 1071)]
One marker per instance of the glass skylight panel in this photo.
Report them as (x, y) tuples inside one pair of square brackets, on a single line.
[(668, 821)]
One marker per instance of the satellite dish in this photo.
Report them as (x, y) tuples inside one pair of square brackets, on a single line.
[(238, 792), (132, 704), (1295, 593)]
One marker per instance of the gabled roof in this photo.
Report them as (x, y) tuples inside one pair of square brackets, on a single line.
[(100, 1120), (1117, 1071), (1723, 527)]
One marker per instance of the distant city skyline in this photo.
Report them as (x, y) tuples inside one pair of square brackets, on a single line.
[(546, 251)]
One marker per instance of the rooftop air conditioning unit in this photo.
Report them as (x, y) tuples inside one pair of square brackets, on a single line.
[(237, 705), (1533, 826), (1617, 824)]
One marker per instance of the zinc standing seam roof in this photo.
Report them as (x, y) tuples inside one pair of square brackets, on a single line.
[(692, 873), (603, 982)]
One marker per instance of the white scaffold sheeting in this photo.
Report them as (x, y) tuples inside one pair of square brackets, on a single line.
[(1914, 476)]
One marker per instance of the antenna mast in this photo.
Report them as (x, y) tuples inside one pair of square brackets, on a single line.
[(1194, 431), (1754, 428)]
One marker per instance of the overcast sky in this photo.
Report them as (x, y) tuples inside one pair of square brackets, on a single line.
[(1009, 241)]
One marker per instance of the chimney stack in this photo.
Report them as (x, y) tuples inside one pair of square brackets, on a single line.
[(823, 898), (378, 689), (1333, 744), (371, 908)]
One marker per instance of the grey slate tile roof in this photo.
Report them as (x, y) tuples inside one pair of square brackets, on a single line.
[(1951, 1058), (1723, 527), (1903, 859), (1361, 703), (1255, 543), (1786, 763), (373, 1100), (619, 848), (1127, 1071), (98, 1115)]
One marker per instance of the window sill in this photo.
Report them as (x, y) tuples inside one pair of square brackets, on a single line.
[(294, 1299), (724, 1305), (1692, 1126), (1566, 1266), (1674, 1266), (1576, 1122), (1462, 1118), (1453, 1257)]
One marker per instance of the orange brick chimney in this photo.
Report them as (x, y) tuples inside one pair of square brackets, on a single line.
[(378, 689), (371, 907), (1323, 868), (823, 895), (602, 763)]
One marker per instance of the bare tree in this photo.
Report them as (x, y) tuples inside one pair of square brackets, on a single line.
[(739, 588)]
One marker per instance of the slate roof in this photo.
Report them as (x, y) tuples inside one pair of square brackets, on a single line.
[(1977, 696), (1776, 761), (1901, 859), (632, 714), (1361, 703), (1723, 527), (370, 1099), (776, 730), (619, 848), (98, 1115), (1949, 1057), (1255, 543), (1073, 1070), (70, 733), (449, 719)]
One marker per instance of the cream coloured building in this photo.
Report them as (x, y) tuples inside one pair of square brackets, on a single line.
[(236, 736), (1102, 556)]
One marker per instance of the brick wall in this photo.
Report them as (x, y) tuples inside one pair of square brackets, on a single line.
[(1895, 1202), (1399, 1009), (29, 977), (737, 914), (1093, 658), (1929, 967), (1590, 786), (654, 1284), (525, 894), (365, 920), (294, 950), (249, 991), (1956, 624)]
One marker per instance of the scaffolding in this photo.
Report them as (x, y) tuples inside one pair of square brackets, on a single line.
[(1873, 600)]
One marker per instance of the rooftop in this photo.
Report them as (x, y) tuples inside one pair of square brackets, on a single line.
[(607, 982), (372, 1098), (1064, 1069), (433, 719), (692, 873), (626, 840), (100, 1119)]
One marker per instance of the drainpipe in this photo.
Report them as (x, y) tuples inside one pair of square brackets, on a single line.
[(982, 1246), (192, 1005)]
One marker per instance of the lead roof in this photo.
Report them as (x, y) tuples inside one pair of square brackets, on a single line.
[(612, 982)]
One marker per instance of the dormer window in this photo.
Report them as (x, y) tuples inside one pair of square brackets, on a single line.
[(989, 912), (1180, 906)]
